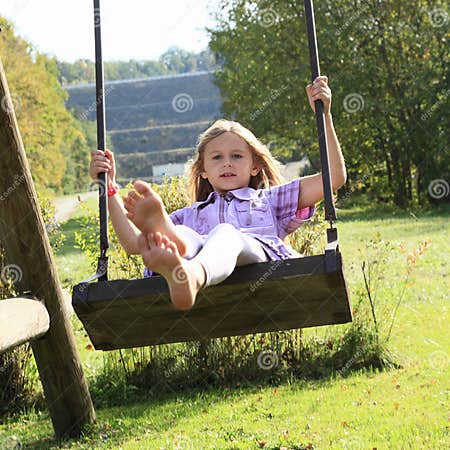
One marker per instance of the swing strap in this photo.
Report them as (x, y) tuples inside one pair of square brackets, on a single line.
[(102, 265), (330, 211)]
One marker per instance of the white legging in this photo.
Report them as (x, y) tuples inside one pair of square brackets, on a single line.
[(221, 251)]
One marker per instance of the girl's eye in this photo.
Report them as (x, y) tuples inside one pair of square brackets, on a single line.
[(216, 157), (237, 156)]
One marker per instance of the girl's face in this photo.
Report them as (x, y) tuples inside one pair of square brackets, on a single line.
[(228, 163)]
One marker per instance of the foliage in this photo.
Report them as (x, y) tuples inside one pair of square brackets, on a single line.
[(386, 69), (127, 373), (174, 60), (52, 140)]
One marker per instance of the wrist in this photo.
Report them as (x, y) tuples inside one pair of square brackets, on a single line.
[(113, 188)]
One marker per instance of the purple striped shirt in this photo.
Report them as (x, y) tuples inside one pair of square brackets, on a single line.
[(268, 215)]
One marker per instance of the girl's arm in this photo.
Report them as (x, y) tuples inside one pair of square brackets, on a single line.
[(126, 231), (311, 187)]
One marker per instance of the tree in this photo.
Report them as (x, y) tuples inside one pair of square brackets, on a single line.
[(387, 71), (38, 100)]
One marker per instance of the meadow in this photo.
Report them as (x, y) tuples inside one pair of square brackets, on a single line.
[(401, 407)]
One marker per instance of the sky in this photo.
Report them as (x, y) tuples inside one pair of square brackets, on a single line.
[(131, 29)]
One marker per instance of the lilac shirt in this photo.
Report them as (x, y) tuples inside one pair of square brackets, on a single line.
[(268, 215)]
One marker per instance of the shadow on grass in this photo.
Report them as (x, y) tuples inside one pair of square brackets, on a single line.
[(188, 401)]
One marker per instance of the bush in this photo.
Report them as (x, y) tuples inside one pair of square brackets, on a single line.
[(263, 358)]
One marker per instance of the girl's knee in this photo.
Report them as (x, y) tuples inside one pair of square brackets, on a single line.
[(224, 228)]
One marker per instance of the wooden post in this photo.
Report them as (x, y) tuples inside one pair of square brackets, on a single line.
[(28, 253), (21, 320)]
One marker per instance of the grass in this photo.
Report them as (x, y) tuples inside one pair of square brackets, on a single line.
[(399, 409)]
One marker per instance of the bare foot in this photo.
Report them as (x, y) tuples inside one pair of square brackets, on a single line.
[(184, 277), (147, 212)]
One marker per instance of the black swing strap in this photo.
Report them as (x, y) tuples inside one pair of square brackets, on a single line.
[(102, 266), (330, 211), (331, 256)]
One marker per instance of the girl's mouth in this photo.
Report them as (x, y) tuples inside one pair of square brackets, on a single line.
[(227, 175)]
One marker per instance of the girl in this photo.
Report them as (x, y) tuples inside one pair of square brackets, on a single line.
[(241, 212)]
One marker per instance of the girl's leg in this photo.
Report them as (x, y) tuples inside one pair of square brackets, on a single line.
[(224, 249), (194, 241)]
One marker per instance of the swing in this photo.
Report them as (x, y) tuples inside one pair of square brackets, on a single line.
[(261, 297)]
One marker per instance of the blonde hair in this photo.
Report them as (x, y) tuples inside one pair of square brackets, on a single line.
[(269, 174)]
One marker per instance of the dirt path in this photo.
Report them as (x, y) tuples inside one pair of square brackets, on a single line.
[(67, 205)]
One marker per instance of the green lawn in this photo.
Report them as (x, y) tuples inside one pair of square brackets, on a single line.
[(396, 409)]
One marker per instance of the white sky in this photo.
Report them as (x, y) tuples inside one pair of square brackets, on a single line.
[(139, 29)]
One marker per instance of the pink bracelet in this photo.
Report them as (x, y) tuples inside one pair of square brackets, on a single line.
[(113, 190)]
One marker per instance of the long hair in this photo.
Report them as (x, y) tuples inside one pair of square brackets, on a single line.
[(269, 174)]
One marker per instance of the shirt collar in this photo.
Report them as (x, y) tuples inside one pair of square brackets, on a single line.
[(246, 193)]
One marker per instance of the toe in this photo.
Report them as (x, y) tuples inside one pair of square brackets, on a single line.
[(142, 187), (173, 247), (151, 240), (158, 239), (165, 242)]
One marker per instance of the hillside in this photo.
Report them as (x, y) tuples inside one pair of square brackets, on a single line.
[(152, 121)]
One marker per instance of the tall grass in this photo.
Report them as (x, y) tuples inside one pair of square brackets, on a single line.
[(263, 358)]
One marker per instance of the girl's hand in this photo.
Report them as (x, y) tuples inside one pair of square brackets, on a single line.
[(103, 162), (319, 90)]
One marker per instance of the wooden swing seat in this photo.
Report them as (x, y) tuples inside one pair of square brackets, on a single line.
[(269, 296)]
